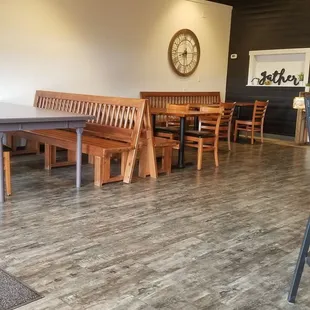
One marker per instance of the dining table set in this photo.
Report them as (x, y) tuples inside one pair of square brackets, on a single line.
[(194, 112)]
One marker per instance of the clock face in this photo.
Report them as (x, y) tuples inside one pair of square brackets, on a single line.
[(184, 52)]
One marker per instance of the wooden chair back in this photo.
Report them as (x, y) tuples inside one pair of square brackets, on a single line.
[(228, 112), (211, 121), (116, 118), (178, 107), (259, 112), (172, 120)]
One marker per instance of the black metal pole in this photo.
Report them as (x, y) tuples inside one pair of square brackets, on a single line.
[(196, 123), (154, 123), (303, 254), (182, 143)]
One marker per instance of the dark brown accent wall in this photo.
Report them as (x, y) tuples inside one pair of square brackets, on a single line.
[(262, 25)]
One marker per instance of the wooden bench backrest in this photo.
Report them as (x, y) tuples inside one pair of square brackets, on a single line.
[(161, 99), (116, 118)]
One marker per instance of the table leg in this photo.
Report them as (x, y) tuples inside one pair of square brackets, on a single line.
[(79, 132), (238, 111), (1, 169), (154, 123), (182, 142)]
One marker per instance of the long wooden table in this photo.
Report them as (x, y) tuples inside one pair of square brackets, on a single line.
[(19, 117), (182, 116)]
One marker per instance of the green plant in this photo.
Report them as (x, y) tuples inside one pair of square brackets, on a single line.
[(301, 76)]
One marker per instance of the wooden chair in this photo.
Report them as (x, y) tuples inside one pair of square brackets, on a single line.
[(206, 139), (7, 169), (226, 119), (254, 125), (171, 129)]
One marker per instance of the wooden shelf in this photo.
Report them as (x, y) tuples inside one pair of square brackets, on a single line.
[(292, 61)]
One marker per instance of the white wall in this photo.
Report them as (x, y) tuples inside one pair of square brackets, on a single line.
[(108, 47)]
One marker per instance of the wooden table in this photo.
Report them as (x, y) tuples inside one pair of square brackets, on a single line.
[(19, 117), (182, 116)]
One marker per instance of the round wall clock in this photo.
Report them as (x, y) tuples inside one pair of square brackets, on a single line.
[(184, 52)]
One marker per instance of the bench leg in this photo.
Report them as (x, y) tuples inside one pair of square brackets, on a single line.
[(49, 156), (71, 156), (123, 162), (7, 169), (130, 165), (91, 159), (106, 169), (97, 171), (102, 168), (32, 147), (143, 162), (167, 160)]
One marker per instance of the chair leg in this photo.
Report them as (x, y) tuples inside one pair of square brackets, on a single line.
[(199, 154), (7, 167), (252, 135), (262, 133), (236, 131), (216, 155), (228, 138)]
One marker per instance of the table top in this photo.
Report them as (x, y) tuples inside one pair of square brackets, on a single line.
[(14, 113), (199, 105), (244, 104), (163, 111)]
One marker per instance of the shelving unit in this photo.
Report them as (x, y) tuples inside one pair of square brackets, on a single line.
[(293, 61)]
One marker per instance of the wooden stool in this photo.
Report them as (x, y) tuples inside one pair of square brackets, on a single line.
[(7, 169)]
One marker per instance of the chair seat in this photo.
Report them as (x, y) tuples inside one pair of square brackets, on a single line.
[(6, 149), (248, 123), (199, 134), (244, 122), (167, 129)]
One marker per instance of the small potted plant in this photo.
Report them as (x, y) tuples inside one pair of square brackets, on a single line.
[(301, 76)]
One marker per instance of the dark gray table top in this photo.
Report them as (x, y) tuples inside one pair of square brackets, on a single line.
[(13, 113)]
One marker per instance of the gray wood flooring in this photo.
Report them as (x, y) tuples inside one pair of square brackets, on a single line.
[(225, 238)]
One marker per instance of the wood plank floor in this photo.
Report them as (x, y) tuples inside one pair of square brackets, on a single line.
[(225, 238)]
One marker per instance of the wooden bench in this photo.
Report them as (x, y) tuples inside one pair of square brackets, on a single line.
[(161, 99), (116, 129)]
